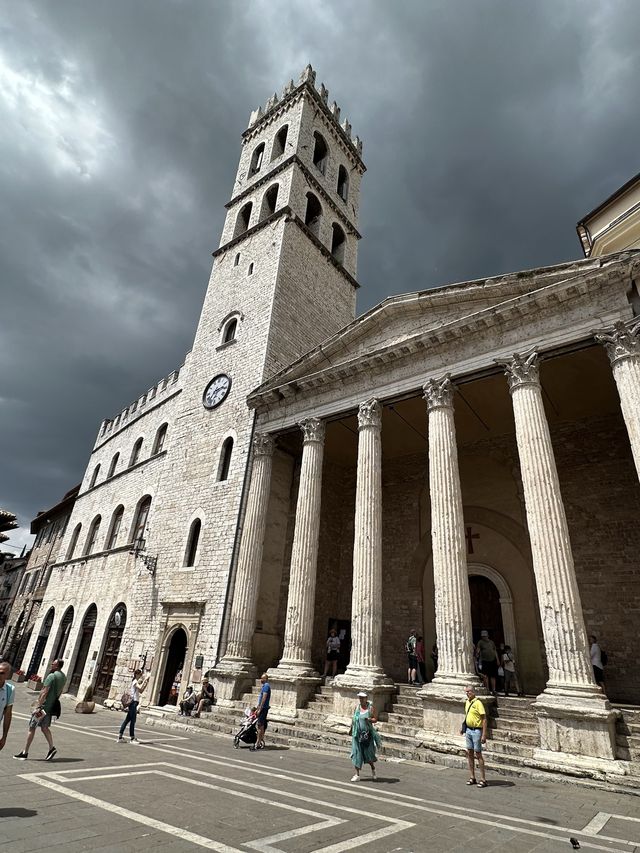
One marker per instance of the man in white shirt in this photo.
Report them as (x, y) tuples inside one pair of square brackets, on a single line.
[(596, 660), (6, 701)]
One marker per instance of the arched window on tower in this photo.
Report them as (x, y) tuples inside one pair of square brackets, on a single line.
[(191, 551), (112, 467), (320, 152), (92, 538), (73, 542), (114, 528), (337, 242), (313, 214), (243, 220), (343, 183), (140, 521), (256, 159), (269, 202), (225, 459), (280, 142), (230, 329), (161, 435), (94, 476), (135, 453)]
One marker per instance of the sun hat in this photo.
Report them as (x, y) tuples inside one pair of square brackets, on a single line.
[(362, 695)]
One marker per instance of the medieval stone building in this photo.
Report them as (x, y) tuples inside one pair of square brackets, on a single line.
[(459, 458)]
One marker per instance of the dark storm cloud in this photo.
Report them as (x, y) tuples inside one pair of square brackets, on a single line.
[(489, 129)]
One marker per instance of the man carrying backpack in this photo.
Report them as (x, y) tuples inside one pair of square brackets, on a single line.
[(412, 659), (130, 701), (48, 706)]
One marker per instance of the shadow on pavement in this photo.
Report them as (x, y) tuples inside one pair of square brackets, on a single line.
[(18, 813), (63, 760), (496, 783)]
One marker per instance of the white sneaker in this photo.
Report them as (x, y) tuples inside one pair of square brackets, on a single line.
[(355, 778), (119, 740), (373, 773), (134, 740)]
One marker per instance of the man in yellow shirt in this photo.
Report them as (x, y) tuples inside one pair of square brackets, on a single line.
[(474, 729)]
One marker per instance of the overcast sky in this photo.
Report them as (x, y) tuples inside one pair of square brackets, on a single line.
[(489, 129)]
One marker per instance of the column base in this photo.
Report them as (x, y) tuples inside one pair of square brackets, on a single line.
[(576, 722), (291, 689), (443, 708), (233, 677), (345, 687)]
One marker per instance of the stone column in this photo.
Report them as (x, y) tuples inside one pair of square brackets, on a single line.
[(443, 697), (235, 672), (623, 347), (294, 679), (573, 713), (365, 665)]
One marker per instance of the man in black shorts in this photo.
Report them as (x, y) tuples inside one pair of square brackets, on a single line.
[(488, 655)]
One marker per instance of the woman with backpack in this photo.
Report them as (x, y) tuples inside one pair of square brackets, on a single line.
[(130, 702)]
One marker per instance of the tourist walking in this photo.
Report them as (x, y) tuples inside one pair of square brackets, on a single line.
[(333, 653), (7, 691), (487, 655), (412, 661), (597, 661), (48, 706), (474, 729), (421, 671), (138, 684), (509, 667), (364, 737), (262, 710)]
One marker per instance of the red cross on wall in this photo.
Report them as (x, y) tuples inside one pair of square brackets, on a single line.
[(469, 536)]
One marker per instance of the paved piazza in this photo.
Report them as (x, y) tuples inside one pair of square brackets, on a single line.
[(189, 791)]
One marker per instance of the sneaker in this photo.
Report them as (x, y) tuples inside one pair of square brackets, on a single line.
[(373, 773), (22, 756), (50, 754), (119, 739), (260, 745), (134, 740), (355, 778)]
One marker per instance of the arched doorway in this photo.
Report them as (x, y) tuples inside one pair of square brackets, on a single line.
[(63, 634), (107, 665), (41, 643), (486, 614), (176, 655), (84, 643)]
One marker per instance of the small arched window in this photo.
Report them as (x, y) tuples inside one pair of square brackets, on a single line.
[(140, 521), (320, 152), (94, 476), (343, 183), (337, 242), (250, 270), (230, 331), (243, 220), (256, 160), (313, 214), (269, 202), (158, 444), (114, 528), (191, 551), (73, 542), (225, 459), (280, 142), (236, 260), (112, 466), (135, 453), (92, 538)]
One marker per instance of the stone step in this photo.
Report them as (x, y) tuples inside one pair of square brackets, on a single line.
[(405, 719), (413, 702), (521, 738), (510, 748), (392, 728), (524, 726)]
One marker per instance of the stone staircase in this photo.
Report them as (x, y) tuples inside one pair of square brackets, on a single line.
[(628, 735)]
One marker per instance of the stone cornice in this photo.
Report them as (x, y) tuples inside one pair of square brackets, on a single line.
[(310, 178), (508, 312)]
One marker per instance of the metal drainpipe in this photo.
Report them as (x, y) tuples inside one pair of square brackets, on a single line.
[(226, 612)]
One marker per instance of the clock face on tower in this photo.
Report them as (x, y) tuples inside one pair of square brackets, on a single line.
[(216, 391)]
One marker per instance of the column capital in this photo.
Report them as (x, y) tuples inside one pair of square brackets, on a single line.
[(621, 342), (313, 430), (263, 444), (521, 369), (439, 393), (370, 414)]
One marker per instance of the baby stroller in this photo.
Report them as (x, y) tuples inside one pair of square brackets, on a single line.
[(248, 732)]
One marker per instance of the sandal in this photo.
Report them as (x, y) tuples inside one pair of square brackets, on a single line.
[(471, 781), (482, 783)]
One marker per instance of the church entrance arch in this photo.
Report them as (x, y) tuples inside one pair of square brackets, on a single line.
[(173, 668), (63, 634), (107, 665), (491, 605), (83, 645), (41, 643)]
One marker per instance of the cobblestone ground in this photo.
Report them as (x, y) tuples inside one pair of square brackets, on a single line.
[(187, 791)]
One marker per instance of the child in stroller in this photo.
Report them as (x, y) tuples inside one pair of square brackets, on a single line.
[(248, 730)]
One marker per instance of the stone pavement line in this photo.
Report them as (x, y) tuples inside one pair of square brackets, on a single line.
[(446, 809), (264, 844)]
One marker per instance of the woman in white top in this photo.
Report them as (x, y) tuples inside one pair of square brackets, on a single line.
[(333, 653), (137, 686)]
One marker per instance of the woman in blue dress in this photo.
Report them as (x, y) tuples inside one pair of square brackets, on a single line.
[(364, 737)]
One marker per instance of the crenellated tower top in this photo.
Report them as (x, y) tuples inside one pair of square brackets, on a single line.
[(307, 79)]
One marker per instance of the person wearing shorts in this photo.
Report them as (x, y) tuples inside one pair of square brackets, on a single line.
[(412, 660), (263, 710), (333, 653), (41, 717), (474, 730), (488, 655)]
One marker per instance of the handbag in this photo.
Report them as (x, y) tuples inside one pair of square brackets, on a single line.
[(364, 736)]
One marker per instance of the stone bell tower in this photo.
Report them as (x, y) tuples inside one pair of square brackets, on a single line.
[(283, 280)]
